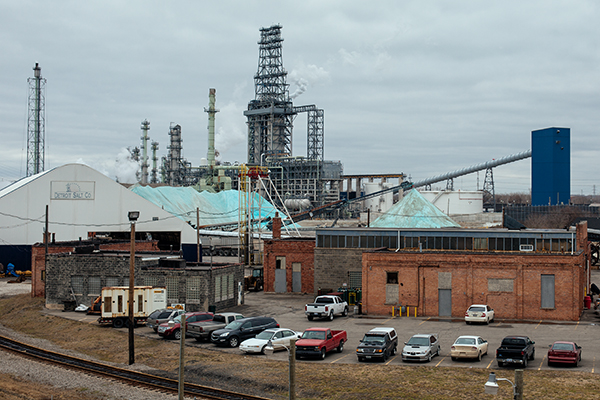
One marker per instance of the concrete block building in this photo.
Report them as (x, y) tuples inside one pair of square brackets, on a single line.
[(197, 285)]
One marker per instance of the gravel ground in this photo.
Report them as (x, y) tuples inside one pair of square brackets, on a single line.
[(44, 374)]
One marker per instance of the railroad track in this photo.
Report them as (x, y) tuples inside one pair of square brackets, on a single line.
[(134, 378)]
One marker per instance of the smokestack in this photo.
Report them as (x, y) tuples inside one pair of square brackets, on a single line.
[(211, 126)]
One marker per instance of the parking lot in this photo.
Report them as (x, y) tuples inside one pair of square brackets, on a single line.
[(288, 310)]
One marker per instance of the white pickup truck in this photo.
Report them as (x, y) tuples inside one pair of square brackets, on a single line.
[(326, 307)]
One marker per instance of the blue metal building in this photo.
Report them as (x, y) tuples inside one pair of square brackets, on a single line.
[(550, 166)]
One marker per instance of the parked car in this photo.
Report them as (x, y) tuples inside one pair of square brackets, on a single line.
[(279, 337), (172, 328), (317, 342), (564, 353), (326, 307), (239, 330), (469, 347), (378, 344), (515, 350), (479, 313), (201, 330), (162, 315), (421, 347)]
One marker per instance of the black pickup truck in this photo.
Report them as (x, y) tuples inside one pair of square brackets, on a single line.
[(515, 350), (378, 344)]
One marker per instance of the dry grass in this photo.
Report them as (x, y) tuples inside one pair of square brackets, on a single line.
[(269, 378)]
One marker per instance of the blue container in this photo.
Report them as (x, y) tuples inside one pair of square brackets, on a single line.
[(550, 166)]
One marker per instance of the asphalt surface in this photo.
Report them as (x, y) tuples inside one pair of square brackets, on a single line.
[(288, 310)]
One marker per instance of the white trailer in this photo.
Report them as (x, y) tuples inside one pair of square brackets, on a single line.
[(115, 304)]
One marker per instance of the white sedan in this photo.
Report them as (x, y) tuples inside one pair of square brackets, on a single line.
[(469, 347), (479, 313), (279, 337)]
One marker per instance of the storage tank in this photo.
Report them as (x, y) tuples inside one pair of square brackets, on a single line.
[(298, 204), (456, 202), (378, 204)]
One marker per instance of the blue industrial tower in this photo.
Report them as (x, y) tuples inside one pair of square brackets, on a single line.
[(550, 166)]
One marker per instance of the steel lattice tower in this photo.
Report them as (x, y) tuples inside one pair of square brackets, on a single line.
[(270, 115), (36, 122)]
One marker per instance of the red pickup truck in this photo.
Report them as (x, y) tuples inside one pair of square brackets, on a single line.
[(317, 342)]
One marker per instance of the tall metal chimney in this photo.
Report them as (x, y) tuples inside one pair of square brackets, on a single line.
[(145, 138), (36, 122), (211, 126)]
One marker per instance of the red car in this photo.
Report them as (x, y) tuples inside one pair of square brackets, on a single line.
[(172, 329), (564, 353)]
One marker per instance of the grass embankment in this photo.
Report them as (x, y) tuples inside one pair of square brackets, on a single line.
[(269, 378)]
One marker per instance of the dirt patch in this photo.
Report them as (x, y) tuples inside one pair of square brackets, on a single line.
[(260, 376)]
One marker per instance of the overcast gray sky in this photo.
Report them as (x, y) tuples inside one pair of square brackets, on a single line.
[(420, 87)]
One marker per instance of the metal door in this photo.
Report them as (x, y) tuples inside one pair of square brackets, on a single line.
[(280, 281), (296, 277), (445, 302)]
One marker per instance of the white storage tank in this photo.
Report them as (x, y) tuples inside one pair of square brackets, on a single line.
[(456, 202), (378, 204)]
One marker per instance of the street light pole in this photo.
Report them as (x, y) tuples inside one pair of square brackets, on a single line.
[(133, 216)]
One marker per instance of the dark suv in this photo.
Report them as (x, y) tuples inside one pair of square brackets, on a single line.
[(242, 329), (378, 344)]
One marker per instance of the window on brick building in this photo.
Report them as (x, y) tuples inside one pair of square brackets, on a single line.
[(392, 278), (547, 295), (279, 262)]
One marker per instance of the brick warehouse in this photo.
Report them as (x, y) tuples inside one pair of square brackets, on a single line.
[(524, 285), (197, 285), (508, 268)]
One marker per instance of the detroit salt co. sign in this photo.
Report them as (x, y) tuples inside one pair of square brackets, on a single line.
[(62, 190)]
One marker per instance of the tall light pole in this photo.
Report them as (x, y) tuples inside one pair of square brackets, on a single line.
[(133, 216)]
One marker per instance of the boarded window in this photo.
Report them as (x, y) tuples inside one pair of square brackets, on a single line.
[(296, 267), (547, 294), (77, 284), (500, 285), (391, 294), (444, 280)]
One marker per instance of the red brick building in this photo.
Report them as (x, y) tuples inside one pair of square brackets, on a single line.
[(541, 285), (288, 263)]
